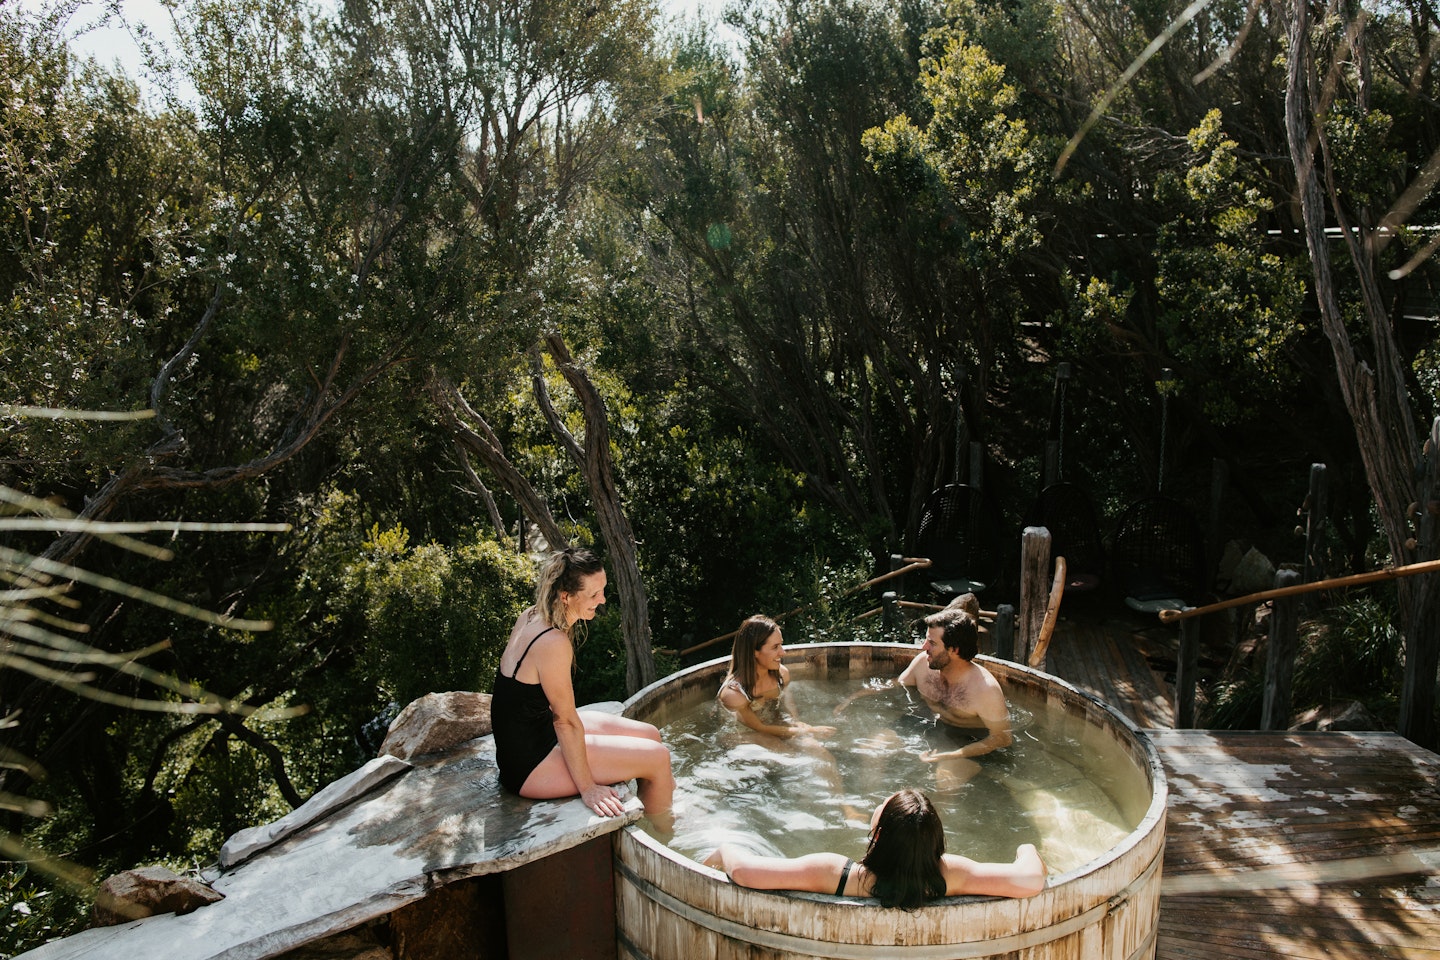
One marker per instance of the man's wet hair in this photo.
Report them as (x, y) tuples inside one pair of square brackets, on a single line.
[(960, 633)]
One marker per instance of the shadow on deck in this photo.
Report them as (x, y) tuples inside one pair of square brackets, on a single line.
[(1278, 844)]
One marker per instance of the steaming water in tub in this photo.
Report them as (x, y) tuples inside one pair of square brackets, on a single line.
[(1061, 786)]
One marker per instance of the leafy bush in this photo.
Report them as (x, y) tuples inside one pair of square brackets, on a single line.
[(436, 618), (1350, 651), (33, 910)]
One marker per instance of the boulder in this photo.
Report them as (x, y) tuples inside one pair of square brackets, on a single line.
[(1229, 560), (244, 844), (1354, 716), (145, 892), (1351, 715), (1253, 573), (967, 602), (437, 721)]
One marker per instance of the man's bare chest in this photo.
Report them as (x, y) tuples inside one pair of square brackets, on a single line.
[(953, 696)]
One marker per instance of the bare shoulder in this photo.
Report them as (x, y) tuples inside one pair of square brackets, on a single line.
[(552, 644), (731, 696), (545, 651), (988, 684), (990, 695), (986, 677), (784, 673), (914, 668)]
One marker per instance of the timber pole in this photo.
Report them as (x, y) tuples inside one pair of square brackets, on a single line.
[(1280, 656), (1422, 645), (1034, 590)]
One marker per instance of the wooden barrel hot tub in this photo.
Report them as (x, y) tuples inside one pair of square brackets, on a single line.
[(670, 907)]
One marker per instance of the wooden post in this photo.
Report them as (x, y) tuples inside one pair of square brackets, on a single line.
[(977, 466), (1034, 589), (1004, 632), (1315, 523), (1315, 507), (896, 562), (1280, 655), (890, 601), (1186, 665), (1055, 435), (1422, 652)]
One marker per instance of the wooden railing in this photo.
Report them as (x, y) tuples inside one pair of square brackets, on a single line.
[(1284, 628), (900, 566)]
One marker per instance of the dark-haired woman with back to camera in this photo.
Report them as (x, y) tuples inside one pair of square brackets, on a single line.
[(904, 865), (546, 748)]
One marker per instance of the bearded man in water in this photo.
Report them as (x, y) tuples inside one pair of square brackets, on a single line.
[(964, 695)]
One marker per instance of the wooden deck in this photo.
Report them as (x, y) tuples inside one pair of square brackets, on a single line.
[(1127, 663), (1299, 846), (1279, 845)]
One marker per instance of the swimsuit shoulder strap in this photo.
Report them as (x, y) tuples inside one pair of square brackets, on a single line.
[(734, 681), (527, 651), (844, 876)]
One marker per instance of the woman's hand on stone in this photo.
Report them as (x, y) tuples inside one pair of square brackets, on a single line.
[(603, 800)]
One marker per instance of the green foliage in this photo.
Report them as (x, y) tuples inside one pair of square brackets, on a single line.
[(1349, 651), (1228, 306), (1366, 160), (33, 911), (984, 160), (402, 620), (436, 618), (1353, 652)]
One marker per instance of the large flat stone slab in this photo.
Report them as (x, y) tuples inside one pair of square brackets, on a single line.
[(444, 819)]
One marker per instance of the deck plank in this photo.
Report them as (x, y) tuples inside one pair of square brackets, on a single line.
[(1316, 803), (1106, 660), (1326, 805)]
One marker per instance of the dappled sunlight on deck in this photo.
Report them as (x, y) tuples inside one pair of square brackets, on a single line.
[(1311, 845), (1279, 844)]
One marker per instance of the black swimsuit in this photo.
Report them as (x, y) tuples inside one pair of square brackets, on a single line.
[(844, 875), (523, 725)]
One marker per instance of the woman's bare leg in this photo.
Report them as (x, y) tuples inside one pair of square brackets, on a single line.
[(613, 759), (612, 724)]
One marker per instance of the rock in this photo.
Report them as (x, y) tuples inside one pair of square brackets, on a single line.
[(334, 796), (1351, 715), (1252, 574), (437, 721), (1229, 560), (145, 892), (967, 602)]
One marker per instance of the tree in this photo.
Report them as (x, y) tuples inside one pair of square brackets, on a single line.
[(1326, 111)]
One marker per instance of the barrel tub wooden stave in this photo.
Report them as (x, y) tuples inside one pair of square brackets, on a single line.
[(671, 908)]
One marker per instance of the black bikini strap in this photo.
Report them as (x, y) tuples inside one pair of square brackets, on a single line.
[(527, 651), (844, 876)]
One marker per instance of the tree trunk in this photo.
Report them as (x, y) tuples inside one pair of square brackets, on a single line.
[(595, 462), (482, 443), (1375, 398)]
